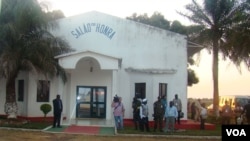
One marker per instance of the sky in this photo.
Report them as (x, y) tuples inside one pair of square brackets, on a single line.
[(231, 81)]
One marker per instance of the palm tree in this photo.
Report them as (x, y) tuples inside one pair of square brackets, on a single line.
[(221, 22), (27, 45)]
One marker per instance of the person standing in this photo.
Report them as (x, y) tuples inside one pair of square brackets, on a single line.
[(238, 113), (144, 116), (246, 110), (118, 112), (171, 114), (136, 112), (57, 108), (164, 101), (193, 111), (158, 114), (197, 110), (226, 113), (178, 105), (203, 116)]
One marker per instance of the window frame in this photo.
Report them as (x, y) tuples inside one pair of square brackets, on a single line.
[(20, 90), (140, 90), (43, 91)]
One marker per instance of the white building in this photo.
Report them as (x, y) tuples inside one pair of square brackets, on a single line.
[(113, 56)]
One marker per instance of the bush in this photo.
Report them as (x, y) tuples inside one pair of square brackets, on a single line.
[(45, 108)]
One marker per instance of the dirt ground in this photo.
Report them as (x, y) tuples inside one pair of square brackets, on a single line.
[(27, 135)]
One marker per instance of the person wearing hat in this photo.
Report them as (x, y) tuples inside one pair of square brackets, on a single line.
[(144, 116)]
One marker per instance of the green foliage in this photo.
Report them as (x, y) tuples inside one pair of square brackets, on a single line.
[(223, 28), (27, 44), (157, 20), (192, 79), (45, 108)]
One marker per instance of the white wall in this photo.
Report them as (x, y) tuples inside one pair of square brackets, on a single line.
[(139, 46)]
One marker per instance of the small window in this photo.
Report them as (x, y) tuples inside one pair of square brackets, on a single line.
[(43, 88), (140, 90), (20, 94), (162, 89)]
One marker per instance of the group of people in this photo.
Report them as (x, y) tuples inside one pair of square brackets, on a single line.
[(170, 113), (227, 113), (140, 114), (199, 112)]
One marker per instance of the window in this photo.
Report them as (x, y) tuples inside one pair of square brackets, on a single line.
[(20, 90), (43, 88), (162, 89), (140, 90)]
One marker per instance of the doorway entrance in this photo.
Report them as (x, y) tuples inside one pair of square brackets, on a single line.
[(91, 102)]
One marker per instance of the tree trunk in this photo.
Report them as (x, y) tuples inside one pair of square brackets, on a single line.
[(215, 70), (11, 104)]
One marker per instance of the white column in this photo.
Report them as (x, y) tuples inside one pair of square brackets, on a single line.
[(114, 83), (113, 93)]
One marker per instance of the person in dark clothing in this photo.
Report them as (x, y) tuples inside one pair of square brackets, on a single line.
[(136, 112), (193, 110), (226, 113), (203, 116), (246, 110), (57, 107), (158, 114)]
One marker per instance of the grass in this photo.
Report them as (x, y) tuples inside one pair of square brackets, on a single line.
[(15, 123), (16, 135), (127, 134), (21, 123), (216, 132), (126, 130)]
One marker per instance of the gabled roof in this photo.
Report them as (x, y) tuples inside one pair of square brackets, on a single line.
[(84, 51), (70, 60)]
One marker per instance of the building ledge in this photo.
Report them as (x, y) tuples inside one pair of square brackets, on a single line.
[(151, 71)]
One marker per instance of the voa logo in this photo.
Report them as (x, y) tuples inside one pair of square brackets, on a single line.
[(236, 132)]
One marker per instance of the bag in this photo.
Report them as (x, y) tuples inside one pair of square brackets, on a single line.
[(181, 115)]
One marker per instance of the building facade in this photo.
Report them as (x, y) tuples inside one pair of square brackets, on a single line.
[(113, 56)]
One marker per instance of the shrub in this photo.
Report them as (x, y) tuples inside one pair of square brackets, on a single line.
[(45, 108)]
